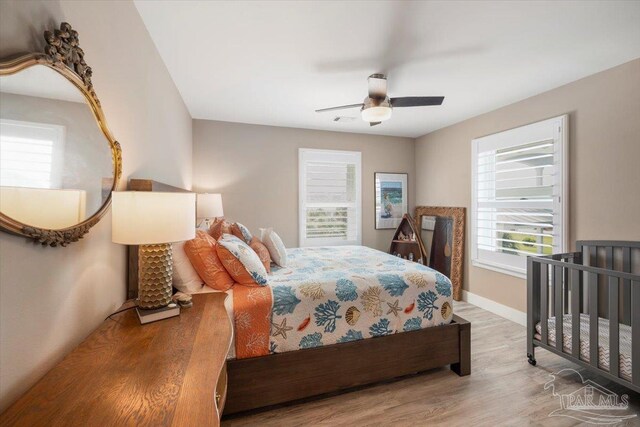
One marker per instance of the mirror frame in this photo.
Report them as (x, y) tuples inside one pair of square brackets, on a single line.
[(457, 241), (63, 55)]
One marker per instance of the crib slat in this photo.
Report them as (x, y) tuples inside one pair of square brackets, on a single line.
[(626, 260), (608, 264), (552, 293), (565, 292), (591, 258), (635, 332), (574, 278), (614, 344), (544, 303), (626, 287), (595, 256), (593, 319), (556, 281)]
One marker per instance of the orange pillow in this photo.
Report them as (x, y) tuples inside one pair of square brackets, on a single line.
[(201, 251), (263, 253), (219, 227)]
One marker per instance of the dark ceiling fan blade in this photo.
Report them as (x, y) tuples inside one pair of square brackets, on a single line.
[(416, 101), (374, 123), (342, 107)]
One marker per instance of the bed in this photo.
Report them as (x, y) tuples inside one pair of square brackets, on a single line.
[(343, 317), (340, 317), (331, 295), (337, 318)]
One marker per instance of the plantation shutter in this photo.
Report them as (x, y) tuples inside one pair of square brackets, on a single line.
[(329, 197), (518, 192), (30, 154)]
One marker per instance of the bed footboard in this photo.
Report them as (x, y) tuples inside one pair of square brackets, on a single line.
[(594, 286), (284, 377)]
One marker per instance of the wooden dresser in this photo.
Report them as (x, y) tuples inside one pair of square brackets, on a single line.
[(171, 372)]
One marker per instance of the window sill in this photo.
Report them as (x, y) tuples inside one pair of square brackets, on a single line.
[(500, 269), (309, 244)]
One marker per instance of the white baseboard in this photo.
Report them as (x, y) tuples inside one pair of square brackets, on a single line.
[(495, 307)]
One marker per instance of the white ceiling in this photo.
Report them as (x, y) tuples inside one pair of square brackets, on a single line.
[(274, 63)]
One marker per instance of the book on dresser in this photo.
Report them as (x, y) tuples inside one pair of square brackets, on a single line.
[(153, 315), (407, 243)]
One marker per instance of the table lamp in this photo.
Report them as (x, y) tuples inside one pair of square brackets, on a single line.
[(209, 206), (153, 220)]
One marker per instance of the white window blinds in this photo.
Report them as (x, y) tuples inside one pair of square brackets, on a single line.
[(519, 184), (329, 197), (30, 154)]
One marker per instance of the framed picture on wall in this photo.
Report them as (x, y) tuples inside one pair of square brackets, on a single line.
[(391, 199)]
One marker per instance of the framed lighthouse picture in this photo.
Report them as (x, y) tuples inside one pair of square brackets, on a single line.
[(391, 199)]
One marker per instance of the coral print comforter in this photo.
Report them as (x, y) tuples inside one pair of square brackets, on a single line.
[(332, 295)]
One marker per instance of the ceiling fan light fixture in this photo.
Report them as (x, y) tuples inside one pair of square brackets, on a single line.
[(376, 110), (377, 107), (376, 114)]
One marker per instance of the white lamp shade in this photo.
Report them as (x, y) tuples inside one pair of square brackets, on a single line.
[(209, 205), (145, 218), (43, 207)]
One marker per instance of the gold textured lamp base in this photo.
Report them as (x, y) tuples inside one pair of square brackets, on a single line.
[(155, 275)]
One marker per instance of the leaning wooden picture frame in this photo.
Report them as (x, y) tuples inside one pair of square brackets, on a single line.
[(457, 240)]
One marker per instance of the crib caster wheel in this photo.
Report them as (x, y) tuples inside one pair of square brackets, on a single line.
[(531, 360)]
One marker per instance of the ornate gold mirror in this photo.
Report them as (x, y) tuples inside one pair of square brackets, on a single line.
[(58, 160)]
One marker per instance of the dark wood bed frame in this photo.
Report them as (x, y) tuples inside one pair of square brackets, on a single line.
[(285, 377)]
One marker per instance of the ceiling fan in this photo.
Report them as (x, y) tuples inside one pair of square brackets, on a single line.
[(377, 107)]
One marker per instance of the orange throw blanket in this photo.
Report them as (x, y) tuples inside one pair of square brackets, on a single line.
[(252, 311)]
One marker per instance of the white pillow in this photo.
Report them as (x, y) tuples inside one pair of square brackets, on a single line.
[(274, 244), (185, 277)]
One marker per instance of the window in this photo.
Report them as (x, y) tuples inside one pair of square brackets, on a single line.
[(519, 189), (329, 197), (31, 154)]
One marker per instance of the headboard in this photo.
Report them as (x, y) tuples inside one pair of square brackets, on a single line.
[(142, 185)]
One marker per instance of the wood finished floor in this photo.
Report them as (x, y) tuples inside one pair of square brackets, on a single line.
[(503, 389)]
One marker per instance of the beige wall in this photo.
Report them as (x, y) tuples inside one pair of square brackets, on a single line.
[(604, 138), (51, 298), (256, 170)]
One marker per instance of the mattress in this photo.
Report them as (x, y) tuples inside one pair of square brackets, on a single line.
[(603, 341), (329, 295)]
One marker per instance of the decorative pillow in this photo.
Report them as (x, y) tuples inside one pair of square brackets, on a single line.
[(274, 244), (185, 277), (241, 262), (241, 232), (201, 251), (219, 227), (263, 253)]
